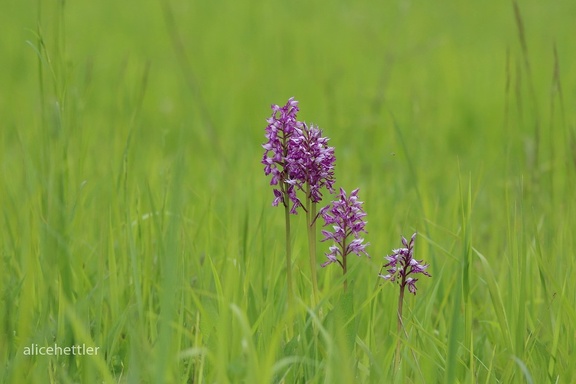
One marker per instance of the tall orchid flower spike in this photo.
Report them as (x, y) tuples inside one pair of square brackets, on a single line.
[(281, 129), (311, 165)]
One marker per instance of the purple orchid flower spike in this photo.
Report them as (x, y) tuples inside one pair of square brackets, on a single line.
[(312, 162), (401, 264), (347, 219), (282, 128)]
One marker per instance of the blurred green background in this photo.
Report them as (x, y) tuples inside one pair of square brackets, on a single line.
[(206, 73)]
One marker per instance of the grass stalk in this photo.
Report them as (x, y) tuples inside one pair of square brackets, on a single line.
[(535, 107)]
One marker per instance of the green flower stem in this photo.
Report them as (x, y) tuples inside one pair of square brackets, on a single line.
[(400, 324), (344, 265), (311, 225), (288, 257)]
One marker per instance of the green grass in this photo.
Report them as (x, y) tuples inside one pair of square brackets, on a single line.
[(135, 215)]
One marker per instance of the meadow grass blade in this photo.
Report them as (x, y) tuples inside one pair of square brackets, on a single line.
[(496, 298), (532, 92), (455, 334)]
